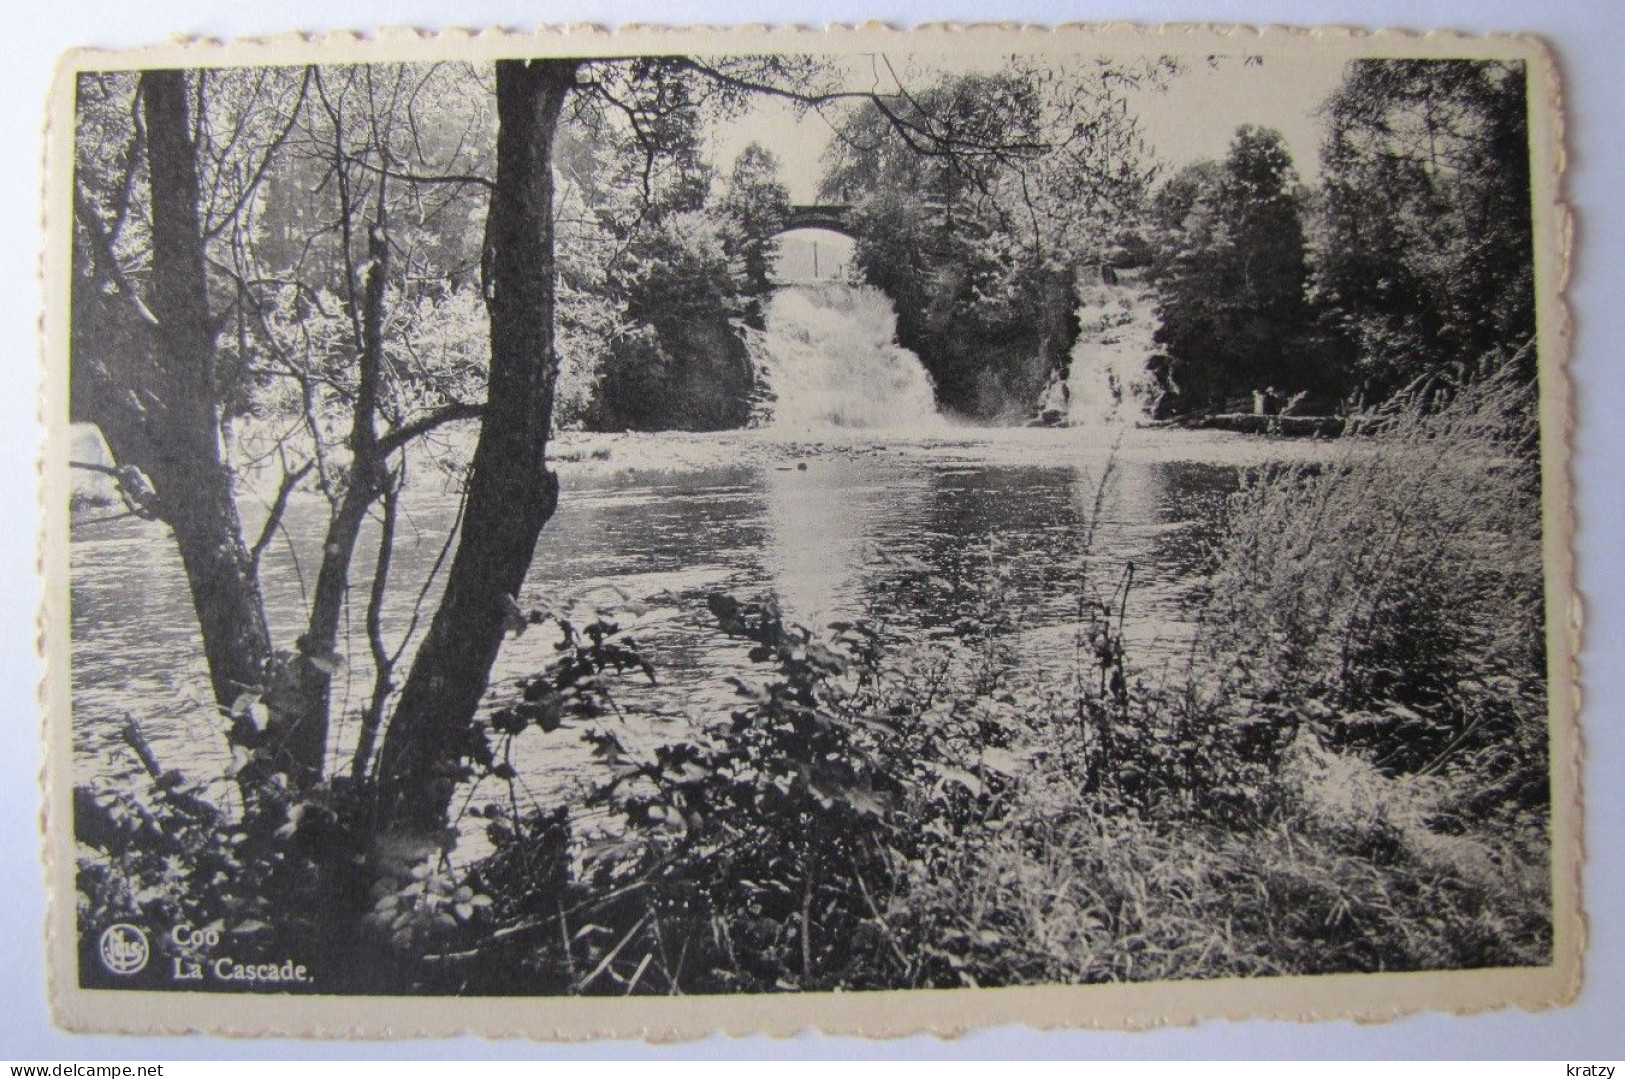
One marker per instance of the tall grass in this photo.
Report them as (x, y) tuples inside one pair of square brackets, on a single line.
[(1393, 597), (1367, 717), (1349, 776)]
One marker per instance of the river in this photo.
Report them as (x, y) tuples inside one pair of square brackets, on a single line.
[(904, 530), (853, 499)]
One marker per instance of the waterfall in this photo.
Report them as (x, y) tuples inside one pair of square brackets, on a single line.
[(1108, 382), (829, 358)]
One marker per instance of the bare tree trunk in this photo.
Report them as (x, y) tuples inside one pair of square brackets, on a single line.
[(383, 662), (183, 458), (304, 695), (511, 492)]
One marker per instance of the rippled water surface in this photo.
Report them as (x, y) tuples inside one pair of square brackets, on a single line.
[(907, 532)]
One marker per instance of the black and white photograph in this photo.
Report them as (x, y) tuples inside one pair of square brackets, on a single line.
[(741, 517)]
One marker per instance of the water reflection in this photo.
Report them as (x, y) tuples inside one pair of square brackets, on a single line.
[(908, 533), (832, 525)]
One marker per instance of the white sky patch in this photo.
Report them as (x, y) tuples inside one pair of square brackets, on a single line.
[(813, 255), (1194, 118)]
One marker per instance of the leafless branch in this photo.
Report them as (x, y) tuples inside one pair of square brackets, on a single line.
[(399, 437), (279, 506), (422, 178)]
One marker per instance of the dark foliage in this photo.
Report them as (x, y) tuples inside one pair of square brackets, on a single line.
[(1231, 272), (1425, 247), (978, 249)]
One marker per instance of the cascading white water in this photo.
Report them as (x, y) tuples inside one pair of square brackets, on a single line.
[(1107, 382), (829, 359)]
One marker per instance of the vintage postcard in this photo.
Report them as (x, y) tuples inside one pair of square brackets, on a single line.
[(668, 531)]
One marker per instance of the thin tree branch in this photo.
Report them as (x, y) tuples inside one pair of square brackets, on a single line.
[(934, 144), (89, 466), (106, 259), (290, 480), (132, 165), (399, 437), (423, 178)]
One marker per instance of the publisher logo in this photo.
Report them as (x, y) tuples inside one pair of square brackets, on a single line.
[(124, 949)]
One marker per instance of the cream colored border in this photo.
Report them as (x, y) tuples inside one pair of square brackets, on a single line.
[(1352, 996)]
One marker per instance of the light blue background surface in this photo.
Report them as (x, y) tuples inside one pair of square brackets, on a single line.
[(1589, 40)]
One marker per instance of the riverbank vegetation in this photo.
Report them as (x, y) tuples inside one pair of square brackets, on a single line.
[(1411, 258), (295, 271), (1347, 774)]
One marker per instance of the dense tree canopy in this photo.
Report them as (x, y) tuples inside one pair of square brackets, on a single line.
[(1424, 250), (1231, 272), (978, 250), (314, 273)]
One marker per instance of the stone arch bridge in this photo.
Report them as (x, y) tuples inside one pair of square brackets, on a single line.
[(834, 216)]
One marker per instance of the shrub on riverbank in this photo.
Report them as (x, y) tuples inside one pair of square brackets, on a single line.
[(1350, 776), (1393, 597), (1370, 682)]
